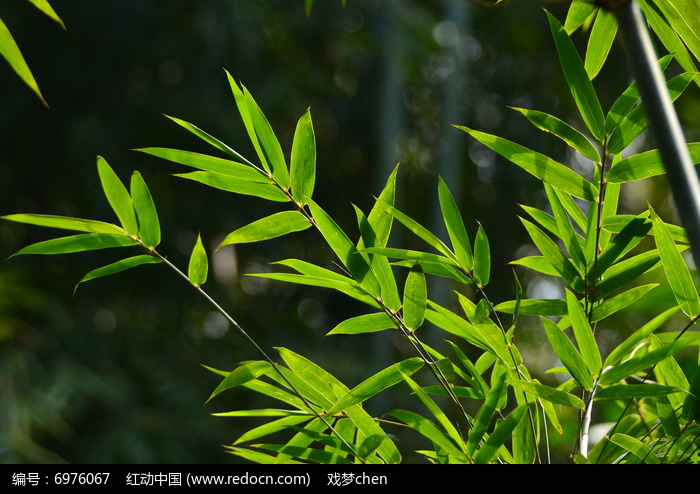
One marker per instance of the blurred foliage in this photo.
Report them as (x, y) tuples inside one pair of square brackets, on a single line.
[(112, 374)]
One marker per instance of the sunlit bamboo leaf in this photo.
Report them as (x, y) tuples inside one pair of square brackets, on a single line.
[(677, 273), (487, 410), (578, 80), (627, 346), (625, 272), (236, 185), (482, 258), (244, 372), (501, 434), (538, 165), (455, 227), (66, 223), (46, 8), (568, 354), (620, 301), (599, 42), (367, 323), (584, 334), (271, 427), (548, 394), (563, 131), (566, 229), (414, 298), (667, 416), (149, 226), (670, 373), (77, 243), (272, 226), (456, 325), (118, 267), (668, 35), (411, 255), (429, 430), (691, 404), (437, 269), (614, 374), (535, 307), (537, 263), (209, 139), (629, 391), (118, 197), (199, 264), (634, 446), (681, 15), (370, 444), (633, 233), (11, 52), (644, 165), (615, 224), (579, 12), (303, 160)]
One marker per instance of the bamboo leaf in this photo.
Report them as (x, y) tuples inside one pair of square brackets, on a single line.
[(614, 374), (367, 323), (429, 430), (118, 197), (414, 298), (548, 394), (682, 16), (11, 52), (272, 226), (566, 229), (563, 131), (66, 223), (455, 227), (537, 263), (199, 264), (246, 371), (625, 272), (482, 258), (229, 183), (677, 273), (501, 434), (379, 218), (691, 404), (619, 302), (578, 80), (584, 334), (303, 160), (633, 233), (46, 8), (627, 346), (538, 165), (630, 391), (599, 42), (579, 12), (644, 165), (208, 138), (568, 355), (667, 416), (118, 267), (535, 307), (635, 446), (668, 35), (77, 243), (149, 226)]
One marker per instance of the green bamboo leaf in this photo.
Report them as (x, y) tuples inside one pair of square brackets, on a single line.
[(556, 258), (535, 307), (501, 434), (619, 302), (617, 373), (578, 80), (11, 52), (668, 35), (209, 139), (563, 131), (380, 381), (538, 165), (625, 272), (568, 355), (77, 243), (255, 456), (630, 391), (345, 250), (429, 430), (487, 410), (627, 346), (246, 371), (456, 325), (548, 394), (272, 226), (636, 121), (379, 218), (313, 377), (636, 447), (633, 233), (667, 416), (149, 226), (584, 334), (414, 298), (545, 220), (208, 163), (482, 258), (118, 197), (615, 224), (537, 263), (236, 185), (199, 264), (691, 404), (271, 427), (566, 229), (455, 227), (66, 223), (677, 273), (682, 16), (46, 8), (610, 206), (599, 42), (438, 269), (309, 5), (669, 372), (118, 267), (644, 165), (303, 160), (411, 255), (368, 323), (370, 444), (579, 12)]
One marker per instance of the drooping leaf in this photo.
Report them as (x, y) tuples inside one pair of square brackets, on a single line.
[(272, 226), (77, 243), (677, 273), (149, 226), (199, 264), (599, 42), (118, 267), (568, 355), (303, 160), (236, 185), (415, 298), (11, 52), (367, 323), (644, 165), (455, 227), (66, 223), (563, 131), (482, 258), (118, 197), (538, 165), (578, 80)]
